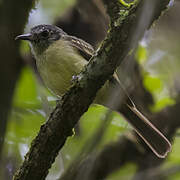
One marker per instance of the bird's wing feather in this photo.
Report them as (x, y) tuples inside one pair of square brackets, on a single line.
[(87, 51), (84, 48)]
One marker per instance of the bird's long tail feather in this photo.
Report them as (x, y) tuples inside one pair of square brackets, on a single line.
[(157, 142)]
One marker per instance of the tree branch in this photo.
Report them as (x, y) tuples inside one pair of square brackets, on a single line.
[(54, 133), (13, 16), (117, 154)]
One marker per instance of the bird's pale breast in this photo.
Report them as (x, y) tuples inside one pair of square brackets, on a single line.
[(58, 64)]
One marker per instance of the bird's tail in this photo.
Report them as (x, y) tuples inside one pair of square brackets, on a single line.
[(157, 142)]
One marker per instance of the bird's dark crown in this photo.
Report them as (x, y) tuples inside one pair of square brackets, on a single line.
[(47, 29), (45, 32), (43, 35)]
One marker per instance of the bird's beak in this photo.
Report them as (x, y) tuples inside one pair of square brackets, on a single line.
[(27, 37)]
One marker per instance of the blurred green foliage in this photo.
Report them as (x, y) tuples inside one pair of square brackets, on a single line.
[(89, 124), (28, 113), (125, 173), (26, 90), (156, 86), (55, 8), (141, 54)]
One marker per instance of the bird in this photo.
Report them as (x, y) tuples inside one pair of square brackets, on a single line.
[(59, 57)]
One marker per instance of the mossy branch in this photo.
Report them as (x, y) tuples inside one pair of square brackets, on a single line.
[(54, 133)]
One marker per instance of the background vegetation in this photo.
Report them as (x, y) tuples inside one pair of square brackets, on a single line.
[(158, 59)]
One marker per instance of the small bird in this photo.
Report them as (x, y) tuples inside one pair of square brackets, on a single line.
[(60, 56)]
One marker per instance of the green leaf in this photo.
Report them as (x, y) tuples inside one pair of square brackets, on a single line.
[(26, 90), (162, 103), (126, 172), (141, 54), (89, 124), (152, 83)]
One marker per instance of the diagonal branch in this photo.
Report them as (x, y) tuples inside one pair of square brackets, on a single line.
[(117, 154), (76, 101)]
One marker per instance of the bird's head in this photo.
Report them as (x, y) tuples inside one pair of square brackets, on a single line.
[(41, 36)]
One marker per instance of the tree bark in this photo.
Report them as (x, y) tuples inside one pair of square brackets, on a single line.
[(13, 16), (54, 133)]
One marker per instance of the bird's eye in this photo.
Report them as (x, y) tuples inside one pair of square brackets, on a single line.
[(44, 33)]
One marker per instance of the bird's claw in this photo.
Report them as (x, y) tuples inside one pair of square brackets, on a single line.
[(75, 78)]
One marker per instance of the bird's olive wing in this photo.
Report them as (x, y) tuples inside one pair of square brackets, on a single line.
[(84, 48)]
